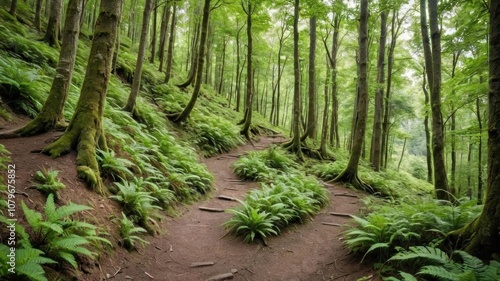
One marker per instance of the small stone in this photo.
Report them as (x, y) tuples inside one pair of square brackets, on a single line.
[(108, 276), (234, 271), (101, 206), (221, 277), (128, 277)]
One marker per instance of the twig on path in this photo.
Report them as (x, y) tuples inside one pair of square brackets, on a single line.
[(340, 276), (345, 194), (227, 198), (227, 157), (230, 188), (330, 223), (25, 194), (202, 264), (233, 180), (247, 269), (340, 214), (149, 275), (213, 210)]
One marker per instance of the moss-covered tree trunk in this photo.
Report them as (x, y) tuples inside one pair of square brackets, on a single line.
[(350, 174), (481, 237), (52, 32), (136, 83), (52, 113), (199, 68), (85, 128)]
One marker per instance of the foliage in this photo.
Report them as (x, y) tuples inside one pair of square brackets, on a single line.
[(389, 182), (137, 204), (285, 200), (48, 183), (114, 166), (28, 263), (261, 165), (129, 233), (407, 224), (434, 264), (60, 237)]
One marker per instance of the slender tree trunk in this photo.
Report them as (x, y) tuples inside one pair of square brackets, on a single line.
[(153, 33), (199, 68), (428, 143), (249, 90), (136, 83), (440, 175), (469, 174), (481, 236), (238, 71), (13, 8), (38, 12), (402, 154), (163, 34), (311, 114), (52, 113), (85, 129), (171, 40), (350, 174), (52, 33), (324, 127), (376, 148), (223, 65), (479, 155), (334, 125)]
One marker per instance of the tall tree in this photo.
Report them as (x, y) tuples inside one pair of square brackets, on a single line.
[(249, 9), (163, 34), (350, 173), (53, 29), (13, 8), (311, 112), (376, 147), (38, 12), (481, 236), (85, 131), (432, 58), (52, 113), (136, 83), (171, 40)]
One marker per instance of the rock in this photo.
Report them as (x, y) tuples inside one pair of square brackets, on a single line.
[(221, 277), (234, 271)]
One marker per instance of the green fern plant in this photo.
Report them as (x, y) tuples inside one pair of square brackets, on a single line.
[(57, 235), (114, 166), (137, 203), (29, 264), (250, 223), (251, 167), (47, 182), (277, 158), (435, 264), (129, 233)]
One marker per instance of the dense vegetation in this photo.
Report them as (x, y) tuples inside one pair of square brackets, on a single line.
[(140, 110)]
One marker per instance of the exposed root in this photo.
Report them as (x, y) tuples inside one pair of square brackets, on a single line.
[(352, 178)]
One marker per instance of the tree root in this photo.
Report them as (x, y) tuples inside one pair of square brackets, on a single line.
[(352, 178)]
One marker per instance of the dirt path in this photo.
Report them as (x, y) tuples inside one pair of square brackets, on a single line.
[(311, 251)]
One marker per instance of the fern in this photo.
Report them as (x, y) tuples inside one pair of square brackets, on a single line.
[(29, 262), (129, 233), (48, 182)]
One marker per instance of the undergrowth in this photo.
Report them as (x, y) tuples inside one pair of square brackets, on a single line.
[(48, 183), (282, 199)]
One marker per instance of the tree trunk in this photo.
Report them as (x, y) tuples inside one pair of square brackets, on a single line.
[(428, 144), (350, 174), (238, 71), (245, 131), (195, 58), (479, 155), (38, 12), (136, 83), (376, 148), (13, 8), (311, 114), (199, 68), (324, 127), (334, 124), (52, 33), (440, 176), (163, 34), (153, 33), (85, 128), (481, 236), (52, 113), (223, 65), (402, 154), (171, 40)]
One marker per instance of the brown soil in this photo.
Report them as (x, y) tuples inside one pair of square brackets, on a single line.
[(310, 251)]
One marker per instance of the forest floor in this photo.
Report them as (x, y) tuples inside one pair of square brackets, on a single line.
[(309, 251)]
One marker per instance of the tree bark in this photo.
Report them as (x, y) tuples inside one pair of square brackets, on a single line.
[(199, 68), (479, 155), (136, 83), (324, 128), (52, 113), (13, 8), (171, 40), (163, 34), (245, 131), (311, 113), (376, 146), (153, 33), (481, 236), (428, 143), (38, 12), (52, 32), (85, 128), (334, 124), (350, 174)]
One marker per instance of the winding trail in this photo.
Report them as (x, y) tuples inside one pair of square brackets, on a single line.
[(311, 251)]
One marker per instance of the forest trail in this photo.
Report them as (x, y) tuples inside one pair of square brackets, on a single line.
[(311, 251)]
